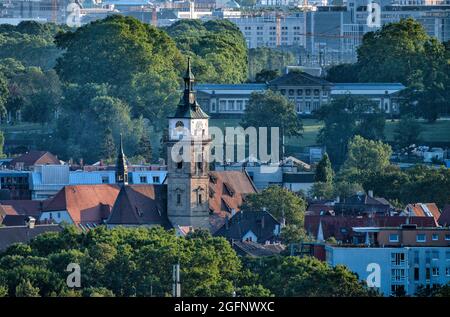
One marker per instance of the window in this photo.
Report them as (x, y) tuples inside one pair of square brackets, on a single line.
[(239, 104), (435, 237), (283, 91), (316, 92), (143, 179), (231, 105), (421, 238), (180, 165), (200, 199), (178, 199), (447, 271), (398, 275), (393, 237), (156, 179), (291, 92), (299, 92), (397, 258), (105, 179), (427, 273), (435, 271), (308, 92), (222, 105), (447, 237), (416, 274)]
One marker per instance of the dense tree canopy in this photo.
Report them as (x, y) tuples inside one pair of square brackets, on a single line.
[(293, 276), (264, 58), (217, 47), (138, 262), (347, 116)]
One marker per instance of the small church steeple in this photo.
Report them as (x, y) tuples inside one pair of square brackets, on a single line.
[(121, 166)]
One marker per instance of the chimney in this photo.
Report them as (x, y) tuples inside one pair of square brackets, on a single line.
[(30, 222), (370, 193)]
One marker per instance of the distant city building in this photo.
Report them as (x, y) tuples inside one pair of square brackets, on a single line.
[(307, 92)]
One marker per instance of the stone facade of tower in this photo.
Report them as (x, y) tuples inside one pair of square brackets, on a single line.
[(188, 147)]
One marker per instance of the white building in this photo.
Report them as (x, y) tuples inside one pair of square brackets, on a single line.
[(47, 180)]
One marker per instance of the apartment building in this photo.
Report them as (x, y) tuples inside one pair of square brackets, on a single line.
[(397, 260)]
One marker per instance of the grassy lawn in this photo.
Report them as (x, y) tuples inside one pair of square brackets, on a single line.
[(431, 132), (438, 132)]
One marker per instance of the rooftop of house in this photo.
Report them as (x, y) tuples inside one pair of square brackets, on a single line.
[(23, 234), (227, 191), (261, 223), (424, 210), (21, 207), (86, 204), (34, 157), (253, 249), (340, 227)]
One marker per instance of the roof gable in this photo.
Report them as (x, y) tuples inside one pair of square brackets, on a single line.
[(139, 205), (298, 79)]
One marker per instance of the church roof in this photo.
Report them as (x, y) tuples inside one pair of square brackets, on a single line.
[(141, 205)]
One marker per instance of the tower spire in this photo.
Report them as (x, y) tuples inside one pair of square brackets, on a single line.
[(121, 165)]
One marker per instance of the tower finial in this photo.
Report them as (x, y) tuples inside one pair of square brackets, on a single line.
[(121, 165)]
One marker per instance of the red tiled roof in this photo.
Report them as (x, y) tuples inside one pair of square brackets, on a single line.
[(421, 210), (35, 158), (444, 219), (228, 189), (84, 203), (340, 227)]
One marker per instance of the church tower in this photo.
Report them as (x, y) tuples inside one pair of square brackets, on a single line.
[(188, 147), (121, 166)]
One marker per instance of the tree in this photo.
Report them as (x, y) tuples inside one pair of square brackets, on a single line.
[(144, 69), (367, 155), (108, 150), (343, 73), (279, 202), (144, 148), (217, 48), (4, 94), (36, 93), (266, 75), (270, 109), (407, 131), (359, 116), (324, 172), (264, 58), (25, 289), (322, 190), (404, 52), (2, 143), (294, 276)]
